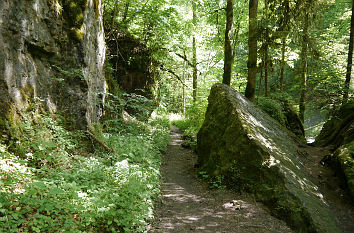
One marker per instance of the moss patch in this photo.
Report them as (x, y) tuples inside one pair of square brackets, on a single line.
[(343, 162), (339, 129), (74, 13)]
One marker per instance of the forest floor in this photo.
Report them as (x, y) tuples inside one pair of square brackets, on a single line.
[(330, 185), (187, 204)]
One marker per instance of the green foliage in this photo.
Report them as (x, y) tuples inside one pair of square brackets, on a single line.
[(273, 108), (193, 120), (47, 185), (215, 182)]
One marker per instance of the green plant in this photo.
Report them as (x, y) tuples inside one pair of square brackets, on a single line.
[(52, 186), (273, 108)]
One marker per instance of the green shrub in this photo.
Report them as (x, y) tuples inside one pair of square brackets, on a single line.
[(273, 108), (47, 186)]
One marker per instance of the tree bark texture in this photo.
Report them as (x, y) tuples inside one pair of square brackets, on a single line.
[(194, 60), (303, 81), (266, 50), (282, 64), (252, 51), (350, 59), (228, 57), (266, 66)]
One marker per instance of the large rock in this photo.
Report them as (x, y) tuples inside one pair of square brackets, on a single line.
[(339, 130), (135, 70), (342, 161), (338, 133), (248, 148), (52, 50)]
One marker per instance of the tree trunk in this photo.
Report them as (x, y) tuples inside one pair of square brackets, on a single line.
[(194, 60), (252, 51), (260, 80), (350, 59), (266, 59), (282, 64), (183, 91), (266, 50), (303, 83), (228, 49)]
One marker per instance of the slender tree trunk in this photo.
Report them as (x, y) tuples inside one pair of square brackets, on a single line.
[(252, 51), (125, 15), (228, 49), (115, 11), (282, 64), (260, 80), (266, 65), (266, 51), (194, 60), (183, 91), (350, 59), (303, 83)]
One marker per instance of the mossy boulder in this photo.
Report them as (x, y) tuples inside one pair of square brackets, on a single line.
[(255, 153), (339, 130), (342, 161)]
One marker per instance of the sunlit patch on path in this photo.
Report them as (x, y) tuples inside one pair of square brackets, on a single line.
[(187, 205)]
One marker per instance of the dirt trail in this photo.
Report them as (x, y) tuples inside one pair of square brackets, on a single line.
[(187, 205), (330, 185)]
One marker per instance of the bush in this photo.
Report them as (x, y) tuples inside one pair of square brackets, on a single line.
[(46, 186), (273, 108)]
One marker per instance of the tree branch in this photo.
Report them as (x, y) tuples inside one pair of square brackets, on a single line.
[(173, 73), (184, 57)]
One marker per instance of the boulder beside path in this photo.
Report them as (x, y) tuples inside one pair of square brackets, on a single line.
[(250, 151)]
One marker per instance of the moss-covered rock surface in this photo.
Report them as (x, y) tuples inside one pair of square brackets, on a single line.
[(343, 158), (253, 152), (339, 130)]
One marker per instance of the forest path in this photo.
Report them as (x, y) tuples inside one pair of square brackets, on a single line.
[(188, 205), (330, 185)]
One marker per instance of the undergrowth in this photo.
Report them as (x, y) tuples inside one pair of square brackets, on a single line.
[(53, 180), (193, 119)]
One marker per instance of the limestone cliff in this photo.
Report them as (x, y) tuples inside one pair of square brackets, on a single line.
[(52, 51)]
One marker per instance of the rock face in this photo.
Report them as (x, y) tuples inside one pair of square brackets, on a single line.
[(135, 71), (342, 161), (252, 151), (339, 130), (133, 64), (52, 50)]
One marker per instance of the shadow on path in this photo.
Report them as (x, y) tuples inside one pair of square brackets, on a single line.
[(187, 205)]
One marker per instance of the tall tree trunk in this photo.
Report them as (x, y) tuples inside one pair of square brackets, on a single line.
[(125, 16), (266, 65), (260, 80), (252, 51), (266, 51), (284, 27), (183, 91), (303, 82), (194, 60), (282, 64), (350, 59), (228, 57)]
